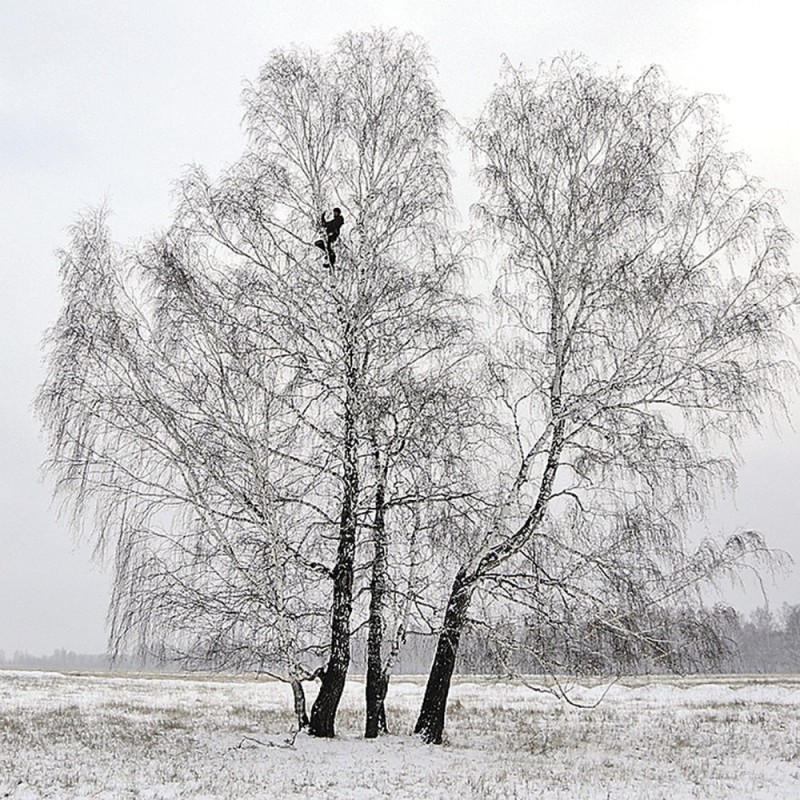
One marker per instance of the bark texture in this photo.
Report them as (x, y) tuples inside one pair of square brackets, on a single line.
[(323, 712), (377, 680), (430, 723), (299, 704)]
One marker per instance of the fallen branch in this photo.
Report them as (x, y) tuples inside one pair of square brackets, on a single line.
[(288, 744)]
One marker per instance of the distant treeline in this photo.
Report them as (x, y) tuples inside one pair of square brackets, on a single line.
[(59, 659), (764, 641), (718, 640)]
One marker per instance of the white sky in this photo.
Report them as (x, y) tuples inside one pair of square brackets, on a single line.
[(108, 99)]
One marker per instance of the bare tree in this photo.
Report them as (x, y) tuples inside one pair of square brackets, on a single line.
[(275, 453), (424, 443), (173, 415), (366, 128), (641, 297), (213, 394)]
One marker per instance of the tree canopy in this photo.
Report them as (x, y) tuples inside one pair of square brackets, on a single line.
[(276, 454)]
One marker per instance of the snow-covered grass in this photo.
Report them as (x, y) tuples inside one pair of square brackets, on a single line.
[(114, 736)]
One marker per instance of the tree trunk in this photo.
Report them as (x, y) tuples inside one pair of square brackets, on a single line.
[(323, 712), (382, 724), (379, 713), (430, 723), (376, 678), (299, 704)]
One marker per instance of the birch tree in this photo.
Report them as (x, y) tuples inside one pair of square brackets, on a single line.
[(364, 131), (641, 303), (211, 394)]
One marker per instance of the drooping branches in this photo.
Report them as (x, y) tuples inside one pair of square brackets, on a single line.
[(636, 252), (275, 454)]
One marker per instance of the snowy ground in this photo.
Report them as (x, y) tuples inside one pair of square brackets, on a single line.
[(64, 736)]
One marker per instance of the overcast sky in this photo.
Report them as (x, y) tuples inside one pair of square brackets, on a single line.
[(106, 100)]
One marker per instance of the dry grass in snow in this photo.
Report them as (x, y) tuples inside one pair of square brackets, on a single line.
[(114, 736)]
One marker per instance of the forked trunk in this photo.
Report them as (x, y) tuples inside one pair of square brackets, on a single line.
[(430, 723)]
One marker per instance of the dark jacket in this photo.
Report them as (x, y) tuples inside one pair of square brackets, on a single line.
[(332, 227)]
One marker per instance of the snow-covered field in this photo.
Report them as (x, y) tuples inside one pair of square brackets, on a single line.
[(107, 736)]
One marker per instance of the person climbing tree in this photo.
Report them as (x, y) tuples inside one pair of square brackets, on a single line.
[(331, 228)]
